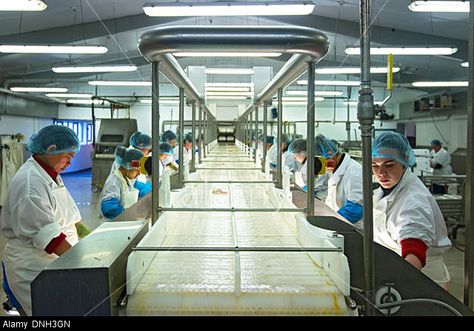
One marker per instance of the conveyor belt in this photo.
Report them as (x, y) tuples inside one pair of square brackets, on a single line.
[(235, 283)]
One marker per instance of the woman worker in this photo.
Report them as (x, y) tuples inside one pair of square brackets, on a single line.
[(287, 158), (39, 216), (141, 142), (121, 189), (345, 180), (407, 219)]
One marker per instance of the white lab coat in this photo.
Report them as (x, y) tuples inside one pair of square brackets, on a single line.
[(287, 158), (115, 165), (186, 155), (410, 211), (321, 185), (345, 184), (36, 210), (441, 157), (116, 186), (12, 159)]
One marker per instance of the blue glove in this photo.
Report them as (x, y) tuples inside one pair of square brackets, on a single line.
[(273, 165), (111, 208), (305, 188), (143, 188), (177, 162), (352, 211)]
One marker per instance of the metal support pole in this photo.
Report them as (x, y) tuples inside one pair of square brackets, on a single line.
[(181, 138), (348, 123), (279, 168), (310, 141), (193, 135), (366, 115), (265, 124), (155, 139), (200, 135), (469, 185), (256, 135), (204, 133)]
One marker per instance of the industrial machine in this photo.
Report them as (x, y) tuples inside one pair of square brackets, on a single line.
[(112, 133)]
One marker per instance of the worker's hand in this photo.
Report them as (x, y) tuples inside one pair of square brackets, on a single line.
[(82, 230)]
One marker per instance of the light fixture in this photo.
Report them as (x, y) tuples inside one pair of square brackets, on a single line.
[(440, 6), (465, 64), (441, 84), (87, 101), (405, 50), (69, 95), (118, 83), (209, 93), (331, 82), (162, 100), (49, 49), (229, 85), (228, 89), (229, 71), (117, 68), (38, 89), (226, 54), (353, 70), (227, 9), (23, 5), (299, 99), (355, 102), (321, 93), (230, 97)]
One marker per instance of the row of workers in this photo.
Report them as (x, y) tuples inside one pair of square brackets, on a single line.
[(40, 219), (407, 218)]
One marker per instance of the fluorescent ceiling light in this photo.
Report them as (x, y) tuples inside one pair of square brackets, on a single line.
[(230, 97), (69, 95), (163, 101), (48, 49), (118, 83), (226, 54), (229, 71), (355, 102), (228, 84), (208, 93), (331, 82), (228, 89), (441, 84), (299, 99), (440, 6), (465, 64), (353, 70), (322, 93), (87, 101), (38, 89), (22, 5), (402, 50), (227, 9), (118, 68)]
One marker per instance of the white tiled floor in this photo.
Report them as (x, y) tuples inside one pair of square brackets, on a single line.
[(79, 184)]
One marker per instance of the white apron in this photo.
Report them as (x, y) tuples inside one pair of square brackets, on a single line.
[(23, 261)]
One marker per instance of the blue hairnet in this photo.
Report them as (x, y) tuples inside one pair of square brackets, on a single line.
[(166, 148), (270, 140), (392, 145), (436, 142), (140, 140), (188, 138), (54, 139), (324, 147), (124, 156), (297, 146), (168, 136), (284, 139)]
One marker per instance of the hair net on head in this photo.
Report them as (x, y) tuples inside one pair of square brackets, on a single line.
[(324, 147), (168, 136), (54, 139), (436, 142), (125, 157), (166, 148), (297, 146), (140, 140), (270, 140), (188, 138), (392, 145), (284, 139)]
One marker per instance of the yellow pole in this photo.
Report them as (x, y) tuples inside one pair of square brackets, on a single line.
[(390, 71)]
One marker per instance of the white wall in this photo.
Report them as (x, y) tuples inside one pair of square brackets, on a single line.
[(10, 124)]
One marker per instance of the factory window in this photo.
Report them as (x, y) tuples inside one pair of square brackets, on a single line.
[(83, 129)]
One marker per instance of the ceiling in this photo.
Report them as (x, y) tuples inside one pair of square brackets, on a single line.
[(117, 24)]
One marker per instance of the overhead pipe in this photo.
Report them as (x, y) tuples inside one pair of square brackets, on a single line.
[(366, 116)]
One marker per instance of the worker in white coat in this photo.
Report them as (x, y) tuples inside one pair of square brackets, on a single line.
[(407, 218), (121, 189), (441, 164), (287, 158), (187, 153), (297, 149), (39, 217), (345, 180)]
